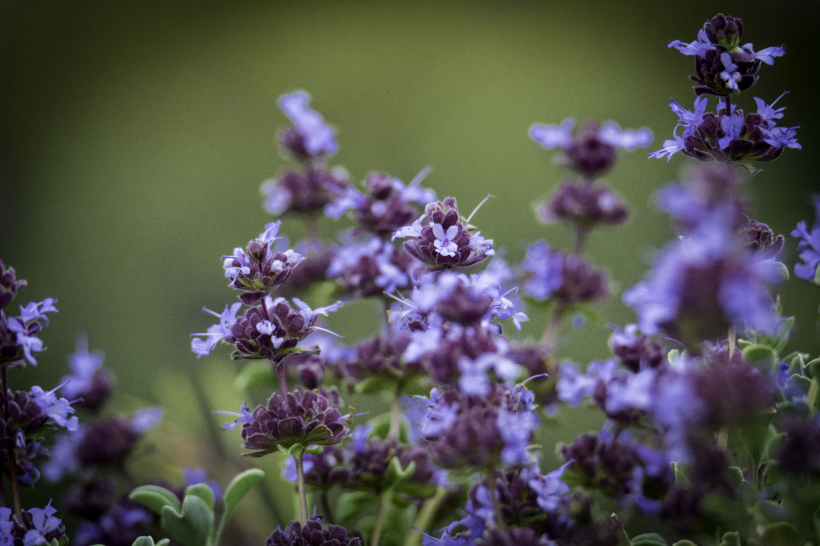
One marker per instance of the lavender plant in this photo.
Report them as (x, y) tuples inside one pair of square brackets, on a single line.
[(711, 434)]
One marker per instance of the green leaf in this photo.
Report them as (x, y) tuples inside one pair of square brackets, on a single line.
[(781, 534), (735, 475), (762, 357), (256, 375), (239, 487), (681, 474), (149, 541), (781, 270), (352, 504), (203, 492), (754, 434), (684, 543), (649, 539), (813, 368), (381, 427), (373, 384), (193, 527), (730, 539), (155, 498)]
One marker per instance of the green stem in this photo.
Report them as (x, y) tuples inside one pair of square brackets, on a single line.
[(381, 514), (426, 516), (12, 456), (300, 481), (283, 380), (499, 517), (395, 415)]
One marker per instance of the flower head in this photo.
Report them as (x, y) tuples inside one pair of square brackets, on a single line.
[(593, 150), (18, 335), (262, 268), (808, 244), (448, 240), (313, 136)]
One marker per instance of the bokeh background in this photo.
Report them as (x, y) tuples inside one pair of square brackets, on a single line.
[(134, 137)]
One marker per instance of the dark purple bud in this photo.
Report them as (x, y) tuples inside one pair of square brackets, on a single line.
[(106, 442), (760, 240), (303, 418), (90, 499), (724, 30), (311, 534), (588, 154), (368, 466), (312, 372), (9, 285), (580, 282), (585, 205)]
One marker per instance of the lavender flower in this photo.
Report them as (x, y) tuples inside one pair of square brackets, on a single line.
[(727, 137), (9, 285), (56, 409), (311, 534), (37, 526), (702, 285), (386, 206), (517, 430), (87, 381), (721, 64), (217, 332), (314, 135), (268, 330), (593, 150), (18, 335), (305, 193), (809, 247), (446, 241), (585, 205), (303, 418), (569, 280), (262, 268), (371, 268)]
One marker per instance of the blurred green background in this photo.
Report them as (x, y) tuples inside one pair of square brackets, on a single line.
[(134, 137)]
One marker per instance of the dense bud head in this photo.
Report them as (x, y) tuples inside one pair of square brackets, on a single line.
[(368, 465), (305, 192), (383, 208), (25, 415), (731, 392), (120, 526), (635, 350), (585, 205), (90, 499), (106, 442), (9, 285), (581, 283), (446, 241), (760, 240), (34, 526), (588, 154), (303, 418), (312, 372), (311, 534), (98, 393), (382, 356), (724, 30), (609, 466), (800, 453), (325, 469)]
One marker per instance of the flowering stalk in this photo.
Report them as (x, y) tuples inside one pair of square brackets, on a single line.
[(300, 480), (15, 496)]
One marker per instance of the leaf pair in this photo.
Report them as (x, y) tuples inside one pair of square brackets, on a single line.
[(191, 522)]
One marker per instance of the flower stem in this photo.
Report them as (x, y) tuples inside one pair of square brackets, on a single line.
[(732, 341), (283, 380), (15, 496), (395, 415), (300, 481), (499, 517), (426, 515), (381, 514)]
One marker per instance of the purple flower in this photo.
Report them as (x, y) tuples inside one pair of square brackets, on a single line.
[(474, 381), (263, 268), (217, 332), (438, 415), (592, 150), (550, 489), (701, 285), (729, 74), (697, 48), (56, 409), (371, 268), (808, 244), (584, 204), (9, 285), (18, 335), (517, 428), (244, 417), (304, 192), (731, 126), (386, 206), (317, 136), (44, 523), (572, 386), (545, 268), (447, 240), (766, 55)]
